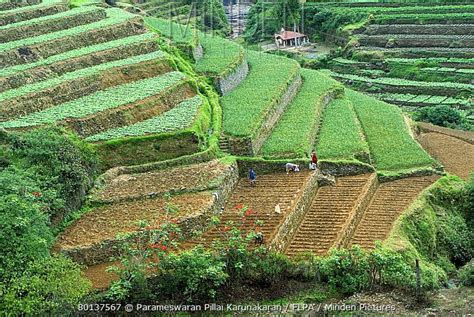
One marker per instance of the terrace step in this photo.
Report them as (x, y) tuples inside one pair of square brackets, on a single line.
[(90, 115), (10, 5), (58, 65), (32, 12), (389, 201), (401, 86), (418, 52), (415, 101), (427, 29), (330, 210), (116, 26), (415, 40), (51, 23)]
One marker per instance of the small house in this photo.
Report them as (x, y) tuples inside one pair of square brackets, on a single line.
[(290, 38)]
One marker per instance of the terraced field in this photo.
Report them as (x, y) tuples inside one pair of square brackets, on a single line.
[(451, 148), (271, 191), (412, 56), (389, 201), (331, 209), (100, 73)]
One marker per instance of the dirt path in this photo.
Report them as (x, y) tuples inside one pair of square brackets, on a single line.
[(456, 155)]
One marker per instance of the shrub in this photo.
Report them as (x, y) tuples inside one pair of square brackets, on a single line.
[(49, 286), (441, 115), (194, 274), (346, 270), (59, 162), (466, 274)]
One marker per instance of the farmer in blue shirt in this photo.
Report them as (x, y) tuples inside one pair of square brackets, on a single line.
[(252, 177)]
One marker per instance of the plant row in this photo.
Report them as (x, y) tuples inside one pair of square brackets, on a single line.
[(178, 118), (107, 99), (295, 132), (27, 89), (83, 51), (246, 107), (114, 16), (391, 146), (341, 136)]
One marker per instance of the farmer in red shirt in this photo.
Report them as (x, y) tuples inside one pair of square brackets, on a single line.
[(314, 160)]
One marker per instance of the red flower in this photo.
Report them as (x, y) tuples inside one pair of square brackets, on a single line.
[(163, 248), (225, 229), (239, 206), (37, 194), (249, 212)]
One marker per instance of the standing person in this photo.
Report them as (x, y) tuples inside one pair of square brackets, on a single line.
[(252, 177), (314, 160)]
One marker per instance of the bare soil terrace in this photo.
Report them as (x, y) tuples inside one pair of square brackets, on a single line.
[(104, 223), (183, 178)]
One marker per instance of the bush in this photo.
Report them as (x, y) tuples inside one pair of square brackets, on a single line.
[(58, 162), (195, 274), (466, 274), (442, 115), (346, 270), (49, 286)]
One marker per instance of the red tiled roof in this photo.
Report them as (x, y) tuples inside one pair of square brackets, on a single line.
[(289, 35)]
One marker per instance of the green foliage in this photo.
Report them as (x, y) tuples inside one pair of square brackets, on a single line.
[(391, 146), (246, 107), (178, 118), (52, 285), (256, 31), (221, 56), (195, 274), (424, 18), (466, 274), (84, 72), (54, 165), (99, 101), (78, 52), (341, 135), (346, 270), (179, 33), (434, 229), (24, 234), (294, 134), (114, 16), (442, 115), (44, 176)]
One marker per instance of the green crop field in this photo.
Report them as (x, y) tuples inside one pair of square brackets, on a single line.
[(294, 134), (114, 16), (179, 33), (220, 55), (391, 146), (341, 136), (178, 118), (100, 101), (43, 3), (245, 108)]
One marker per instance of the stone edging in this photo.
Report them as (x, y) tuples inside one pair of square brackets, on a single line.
[(291, 222)]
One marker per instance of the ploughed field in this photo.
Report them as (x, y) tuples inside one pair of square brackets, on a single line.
[(98, 72), (265, 206), (452, 148), (331, 208), (413, 56)]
